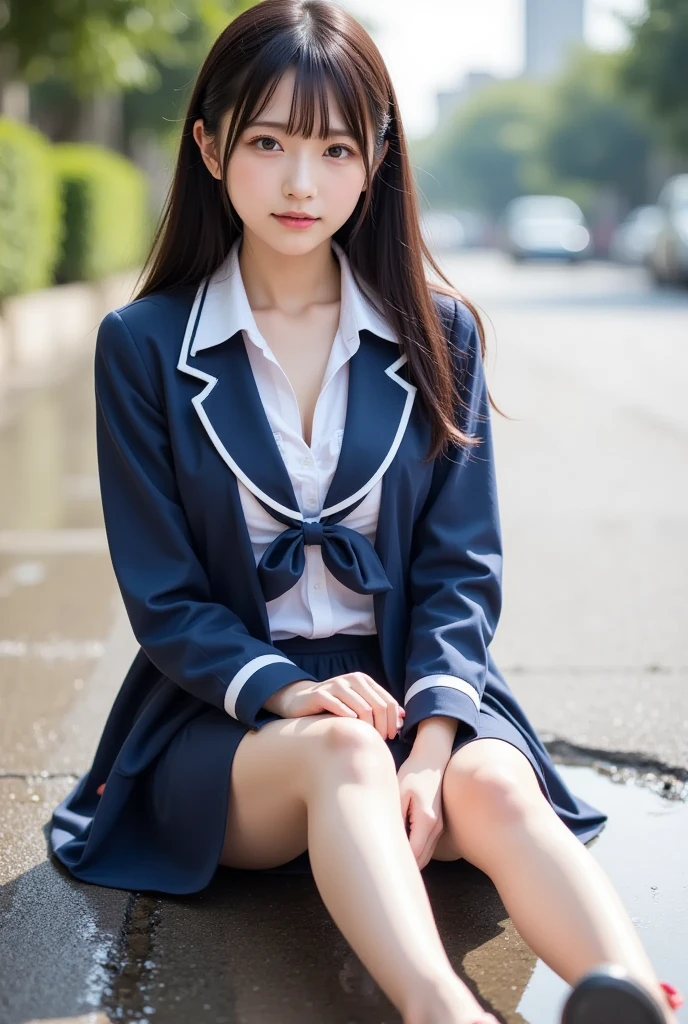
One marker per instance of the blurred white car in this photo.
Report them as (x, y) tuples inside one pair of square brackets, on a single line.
[(545, 226), (442, 230), (634, 239), (454, 229), (668, 259)]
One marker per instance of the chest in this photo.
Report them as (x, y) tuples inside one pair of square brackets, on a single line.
[(233, 411), (302, 347)]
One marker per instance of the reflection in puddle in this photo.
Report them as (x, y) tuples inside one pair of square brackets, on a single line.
[(643, 849), (23, 574), (263, 949), (47, 452), (58, 650)]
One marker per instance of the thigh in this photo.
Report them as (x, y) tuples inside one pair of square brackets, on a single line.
[(266, 815)]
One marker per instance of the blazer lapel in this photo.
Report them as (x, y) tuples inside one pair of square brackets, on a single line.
[(229, 407), (232, 414), (378, 410)]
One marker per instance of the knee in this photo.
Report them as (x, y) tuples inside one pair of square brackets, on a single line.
[(355, 747), (491, 791)]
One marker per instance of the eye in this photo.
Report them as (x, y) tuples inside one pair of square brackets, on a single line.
[(346, 149), (264, 138)]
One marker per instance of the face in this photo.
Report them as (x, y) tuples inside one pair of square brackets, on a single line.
[(271, 173)]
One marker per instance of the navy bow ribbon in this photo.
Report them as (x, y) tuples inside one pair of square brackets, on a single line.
[(349, 556)]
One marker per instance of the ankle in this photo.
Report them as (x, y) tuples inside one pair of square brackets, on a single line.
[(673, 995), (441, 1001), (657, 990), (668, 997)]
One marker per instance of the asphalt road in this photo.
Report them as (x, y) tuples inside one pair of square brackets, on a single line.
[(592, 363), (592, 366)]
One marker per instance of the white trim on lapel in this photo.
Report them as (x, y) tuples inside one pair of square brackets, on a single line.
[(235, 319), (183, 365), (411, 390)]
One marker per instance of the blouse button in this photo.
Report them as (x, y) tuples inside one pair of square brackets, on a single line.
[(316, 586)]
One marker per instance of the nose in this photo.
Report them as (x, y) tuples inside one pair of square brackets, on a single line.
[(300, 178)]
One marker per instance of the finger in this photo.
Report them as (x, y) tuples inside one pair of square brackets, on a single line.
[(343, 690), (419, 830), (405, 801), (331, 703), (387, 696), (429, 848), (383, 722), (423, 829), (384, 693), (388, 710), (418, 837)]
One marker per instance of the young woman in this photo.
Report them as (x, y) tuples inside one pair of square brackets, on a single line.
[(299, 492)]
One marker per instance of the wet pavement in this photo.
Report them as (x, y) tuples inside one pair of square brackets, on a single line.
[(594, 503)]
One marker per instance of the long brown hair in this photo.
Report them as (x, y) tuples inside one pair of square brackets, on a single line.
[(382, 239)]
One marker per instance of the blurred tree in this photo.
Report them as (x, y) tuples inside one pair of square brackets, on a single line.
[(594, 132), (578, 135), (480, 154), (100, 46), (655, 67), (83, 58)]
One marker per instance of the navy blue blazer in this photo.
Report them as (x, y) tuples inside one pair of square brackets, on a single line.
[(175, 430)]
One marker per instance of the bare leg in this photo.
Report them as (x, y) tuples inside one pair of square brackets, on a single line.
[(329, 784), (559, 898)]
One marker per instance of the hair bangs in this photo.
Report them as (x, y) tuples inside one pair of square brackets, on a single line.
[(336, 63), (315, 71)]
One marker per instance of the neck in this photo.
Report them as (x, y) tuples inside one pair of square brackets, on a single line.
[(286, 283)]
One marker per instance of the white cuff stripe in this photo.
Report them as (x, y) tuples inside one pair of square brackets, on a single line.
[(453, 681), (243, 676)]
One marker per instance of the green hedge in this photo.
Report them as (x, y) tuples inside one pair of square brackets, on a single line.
[(107, 221), (68, 212), (30, 210)]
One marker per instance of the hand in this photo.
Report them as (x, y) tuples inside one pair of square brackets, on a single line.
[(352, 695), (420, 791)]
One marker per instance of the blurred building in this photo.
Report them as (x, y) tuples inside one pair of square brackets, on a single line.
[(449, 100), (551, 27)]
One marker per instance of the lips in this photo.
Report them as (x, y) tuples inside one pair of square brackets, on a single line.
[(296, 216)]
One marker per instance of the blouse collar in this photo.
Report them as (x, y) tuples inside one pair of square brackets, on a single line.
[(226, 309)]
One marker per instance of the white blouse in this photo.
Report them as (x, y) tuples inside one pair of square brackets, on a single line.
[(318, 605)]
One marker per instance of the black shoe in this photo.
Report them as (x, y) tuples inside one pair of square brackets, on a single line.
[(608, 995)]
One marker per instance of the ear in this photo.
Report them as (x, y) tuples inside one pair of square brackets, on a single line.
[(206, 144)]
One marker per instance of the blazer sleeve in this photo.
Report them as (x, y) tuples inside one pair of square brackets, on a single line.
[(456, 561), (197, 642)]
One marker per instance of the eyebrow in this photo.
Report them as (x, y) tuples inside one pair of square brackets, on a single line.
[(283, 127)]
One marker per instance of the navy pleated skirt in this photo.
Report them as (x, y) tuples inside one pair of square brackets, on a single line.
[(159, 823)]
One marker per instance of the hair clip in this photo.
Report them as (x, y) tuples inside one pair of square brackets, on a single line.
[(386, 120)]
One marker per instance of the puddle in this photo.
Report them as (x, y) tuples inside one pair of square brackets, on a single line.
[(57, 650), (262, 950), (48, 451), (643, 849)]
